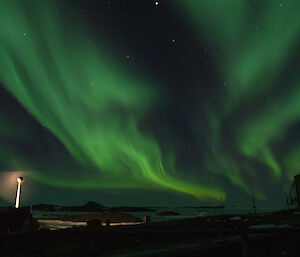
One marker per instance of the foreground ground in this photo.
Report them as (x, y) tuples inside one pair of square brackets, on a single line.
[(274, 234)]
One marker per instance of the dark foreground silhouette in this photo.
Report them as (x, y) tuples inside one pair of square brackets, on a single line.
[(268, 234)]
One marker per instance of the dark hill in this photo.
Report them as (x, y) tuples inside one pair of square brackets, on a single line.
[(43, 207), (89, 206)]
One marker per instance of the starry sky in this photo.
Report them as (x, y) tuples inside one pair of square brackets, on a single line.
[(130, 102)]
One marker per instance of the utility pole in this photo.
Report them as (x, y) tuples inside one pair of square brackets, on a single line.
[(287, 200), (253, 205)]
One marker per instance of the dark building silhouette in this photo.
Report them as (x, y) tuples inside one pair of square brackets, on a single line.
[(16, 219)]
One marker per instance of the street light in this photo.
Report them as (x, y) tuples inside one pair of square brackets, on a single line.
[(19, 181)]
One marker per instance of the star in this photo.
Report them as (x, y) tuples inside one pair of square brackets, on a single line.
[(156, 3)]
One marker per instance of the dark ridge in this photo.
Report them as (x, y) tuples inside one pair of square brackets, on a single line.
[(43, 207), (89, 206)]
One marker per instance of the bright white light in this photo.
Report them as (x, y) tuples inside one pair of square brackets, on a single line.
[(156, 2), (8, 185), (19, 180)]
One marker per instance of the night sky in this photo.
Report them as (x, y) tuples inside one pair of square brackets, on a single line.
[(142, 102)]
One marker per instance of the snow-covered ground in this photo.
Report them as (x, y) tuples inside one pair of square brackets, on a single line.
[(61, 224), (46, 217)]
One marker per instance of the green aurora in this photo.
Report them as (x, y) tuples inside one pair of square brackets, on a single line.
[(96, 107), (254, 43), (92, 106)]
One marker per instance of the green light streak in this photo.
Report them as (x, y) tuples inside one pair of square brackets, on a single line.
[(91, 104), (252, 42)]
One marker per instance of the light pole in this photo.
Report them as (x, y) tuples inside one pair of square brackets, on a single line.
[(19, 181)]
